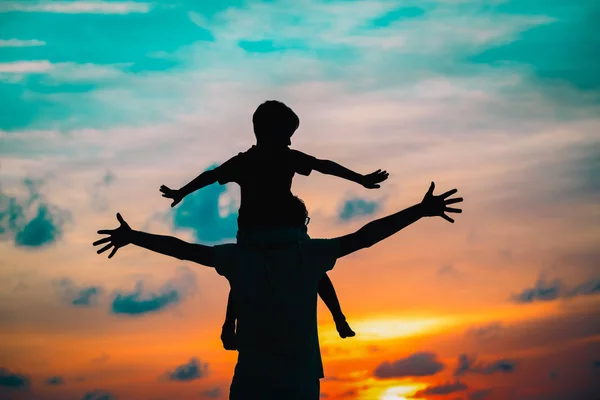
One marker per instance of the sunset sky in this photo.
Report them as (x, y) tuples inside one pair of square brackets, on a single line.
[(101, 102)]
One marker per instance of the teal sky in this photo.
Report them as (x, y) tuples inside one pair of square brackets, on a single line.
[(101, 102)]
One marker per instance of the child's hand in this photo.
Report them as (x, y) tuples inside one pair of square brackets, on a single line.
[(171, 194), (117, 238), (372, 180), (437, 206)]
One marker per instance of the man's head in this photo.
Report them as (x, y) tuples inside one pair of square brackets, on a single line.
[(294, 212), (274, 123)]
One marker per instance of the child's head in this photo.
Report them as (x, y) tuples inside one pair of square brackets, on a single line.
[(274, 123)]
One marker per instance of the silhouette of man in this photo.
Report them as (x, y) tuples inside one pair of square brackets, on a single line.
[(274, 276)]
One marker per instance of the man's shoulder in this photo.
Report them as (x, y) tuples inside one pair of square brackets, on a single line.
[(323, 249)]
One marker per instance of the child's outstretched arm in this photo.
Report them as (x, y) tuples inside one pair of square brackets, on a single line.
[(370, 181), (225, 173), (204, 179)]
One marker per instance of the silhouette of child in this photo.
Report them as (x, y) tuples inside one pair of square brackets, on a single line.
[(264, 174)]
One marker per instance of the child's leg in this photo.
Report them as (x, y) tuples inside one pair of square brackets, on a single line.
[(327, 294), (228, 331)]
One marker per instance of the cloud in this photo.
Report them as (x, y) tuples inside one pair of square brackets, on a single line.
[(98, 395), (12, 380), (418, 364), (202, 213), (211, 393), (97, 192), (55, 381), (442, 389), (31, 222), (78, 296), (468, 364), (77, 7), (449, 270), (21, 43), (194, 369), (549, 291), (323, 396), (25, 67), (172, 292), (348, 393), (356, 208), (571, 34), (486, 332), (480, 394)]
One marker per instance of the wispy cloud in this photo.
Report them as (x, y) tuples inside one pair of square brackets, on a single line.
[(21, 43), (24, 67), (76, 7)]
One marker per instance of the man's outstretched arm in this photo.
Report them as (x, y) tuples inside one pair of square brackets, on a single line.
[(383, 228), (167, 245)]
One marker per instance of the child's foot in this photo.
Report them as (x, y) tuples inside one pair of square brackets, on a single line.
[(228, 337), (344, 329)]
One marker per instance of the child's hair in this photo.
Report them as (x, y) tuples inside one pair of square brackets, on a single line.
[(273, 121)]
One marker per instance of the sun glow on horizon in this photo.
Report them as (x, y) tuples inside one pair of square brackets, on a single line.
[(398, 328)]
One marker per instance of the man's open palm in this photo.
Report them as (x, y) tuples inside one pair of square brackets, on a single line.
[(171, 194), (372, 180), (117, 237), (437, 206)]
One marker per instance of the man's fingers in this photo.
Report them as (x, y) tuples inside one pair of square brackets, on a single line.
[(106, 239), (106, 231), (120, 219), (448, 193), (102, 250), (112, 253), (447, 218), (456, 200), (453, 210)]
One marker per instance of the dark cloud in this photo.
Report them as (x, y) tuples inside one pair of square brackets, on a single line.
[(443, 389), (596, 364), (448, 270), (102, 359), (480, 394), (13, 380), (76, 296), (31, 222), (548, 291), (98, 395), (553, 375), (468, 364), (323, 395), (486, 332), (211, 393), (55, 380), (585, 289), (137, 303), (418, 364), (356, 208), (190, 371), (348, 393), (200, 212)]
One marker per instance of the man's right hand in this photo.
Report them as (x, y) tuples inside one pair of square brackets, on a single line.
[(171, 194), (117, 238), (437, 206)]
